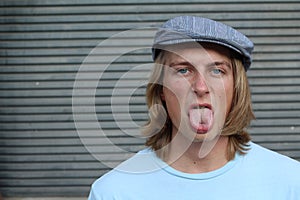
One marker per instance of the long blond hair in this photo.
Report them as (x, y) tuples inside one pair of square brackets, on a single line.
[(238, 119)]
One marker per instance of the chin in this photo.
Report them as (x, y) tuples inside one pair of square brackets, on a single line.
[(198, 140), (206, 137)]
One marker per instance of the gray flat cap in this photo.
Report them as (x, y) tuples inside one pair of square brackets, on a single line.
[(191, 28)]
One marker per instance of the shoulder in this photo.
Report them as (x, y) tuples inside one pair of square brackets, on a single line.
[(140, 163), (110, 185), (270, 162), (120, 180), (264, 155), (268, 171), (107, 183)]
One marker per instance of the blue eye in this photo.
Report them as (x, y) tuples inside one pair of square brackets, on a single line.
[(217, 71), (183, 70)]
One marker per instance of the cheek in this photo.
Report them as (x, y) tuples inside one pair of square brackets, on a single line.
[(174, 92), (172, 105), (224, 94), (228, 96), (174, 99), (169, 96)]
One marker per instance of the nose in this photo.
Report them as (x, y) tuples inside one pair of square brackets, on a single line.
[(199, 85)]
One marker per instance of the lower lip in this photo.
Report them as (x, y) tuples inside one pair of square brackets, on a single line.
[(201, 129)]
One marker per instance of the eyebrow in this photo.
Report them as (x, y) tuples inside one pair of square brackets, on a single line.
[(183, 62), (216, 63)]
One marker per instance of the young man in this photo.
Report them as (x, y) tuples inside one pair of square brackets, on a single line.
[(199, 102)]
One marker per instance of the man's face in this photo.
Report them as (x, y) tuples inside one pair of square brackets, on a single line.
[(198, 90)]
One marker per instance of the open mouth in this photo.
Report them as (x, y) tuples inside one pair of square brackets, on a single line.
[(201, 117)]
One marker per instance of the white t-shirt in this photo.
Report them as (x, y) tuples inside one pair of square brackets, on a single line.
[(261, 174)]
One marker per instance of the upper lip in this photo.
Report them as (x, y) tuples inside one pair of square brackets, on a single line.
[(201, 105)]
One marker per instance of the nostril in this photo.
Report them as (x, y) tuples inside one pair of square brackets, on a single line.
[(200, 90)]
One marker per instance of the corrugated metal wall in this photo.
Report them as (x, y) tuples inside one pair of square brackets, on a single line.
[(44, 43)]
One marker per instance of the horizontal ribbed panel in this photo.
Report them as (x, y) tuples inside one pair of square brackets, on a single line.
[(43, 44)]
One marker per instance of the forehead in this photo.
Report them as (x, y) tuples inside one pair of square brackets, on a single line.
[(197, 53)]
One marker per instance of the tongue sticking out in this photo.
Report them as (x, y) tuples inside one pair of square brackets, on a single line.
[(201, 119)]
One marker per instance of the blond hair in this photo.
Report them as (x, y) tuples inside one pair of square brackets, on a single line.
[(238, 118)]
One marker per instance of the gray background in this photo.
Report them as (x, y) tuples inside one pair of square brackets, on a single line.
[(43, 43)]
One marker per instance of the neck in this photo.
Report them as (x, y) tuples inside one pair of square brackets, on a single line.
[(191, 161)]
